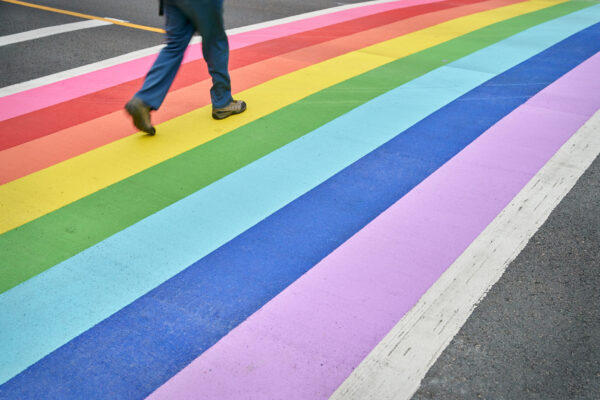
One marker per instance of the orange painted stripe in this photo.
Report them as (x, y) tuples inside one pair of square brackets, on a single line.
[(77, 110), (18, 161)]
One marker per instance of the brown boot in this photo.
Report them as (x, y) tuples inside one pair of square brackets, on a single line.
[(235, 107), (140, 112)]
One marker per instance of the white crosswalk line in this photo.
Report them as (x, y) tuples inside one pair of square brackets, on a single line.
[(396, 366), (49, 31)]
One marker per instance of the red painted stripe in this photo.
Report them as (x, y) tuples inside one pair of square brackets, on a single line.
[(43, 122), (17, 161), (80, 83)]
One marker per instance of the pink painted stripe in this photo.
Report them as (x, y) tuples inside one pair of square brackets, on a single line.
[(308, 339), (58, 92)]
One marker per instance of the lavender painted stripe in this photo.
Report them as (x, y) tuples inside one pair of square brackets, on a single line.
[(307, 340)]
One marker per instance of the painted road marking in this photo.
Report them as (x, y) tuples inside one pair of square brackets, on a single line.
[(49, 31), (86, 16), (380, 271), (244, 179), (396, 366), (66, 140), (118, 370), (26, 190), (301, 23)]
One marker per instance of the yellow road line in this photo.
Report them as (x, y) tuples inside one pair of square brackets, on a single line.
[(42, 192), (80, 15)]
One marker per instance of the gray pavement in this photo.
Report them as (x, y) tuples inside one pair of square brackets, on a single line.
[(48, 55), (16, 19), (535, 335), (237, 12)]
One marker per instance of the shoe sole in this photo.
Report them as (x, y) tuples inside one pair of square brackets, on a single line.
[(137, 120), (225, 114)]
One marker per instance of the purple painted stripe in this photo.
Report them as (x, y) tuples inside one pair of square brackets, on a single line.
[(321, 327)]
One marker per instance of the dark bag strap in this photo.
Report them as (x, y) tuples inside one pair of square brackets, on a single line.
[(161, 7)]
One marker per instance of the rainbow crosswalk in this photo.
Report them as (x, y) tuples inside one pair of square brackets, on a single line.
[(264, 256)]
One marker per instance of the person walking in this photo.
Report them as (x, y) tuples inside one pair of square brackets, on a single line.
[(183, 18)]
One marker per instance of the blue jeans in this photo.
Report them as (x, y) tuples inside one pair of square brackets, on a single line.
[(183, 18)]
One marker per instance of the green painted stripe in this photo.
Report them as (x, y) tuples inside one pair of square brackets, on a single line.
[(45, 242)]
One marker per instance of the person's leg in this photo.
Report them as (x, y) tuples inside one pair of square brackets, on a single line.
[(207, 17), (160, 77), (215, 49)]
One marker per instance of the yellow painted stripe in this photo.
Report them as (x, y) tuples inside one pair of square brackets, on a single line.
[(30, 197), (87, 16)]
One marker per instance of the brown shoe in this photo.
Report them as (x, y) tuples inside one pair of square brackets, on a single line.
[(235, 107), (140, 112)]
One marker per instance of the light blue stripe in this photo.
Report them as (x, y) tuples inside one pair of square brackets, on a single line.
[(50, 309)]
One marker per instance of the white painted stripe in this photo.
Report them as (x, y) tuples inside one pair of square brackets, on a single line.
[(116, 19), (49, 79), (49, 31), (59, 76), (395, 368)]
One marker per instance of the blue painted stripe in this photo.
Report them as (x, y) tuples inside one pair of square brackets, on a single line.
[(135, 350)]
